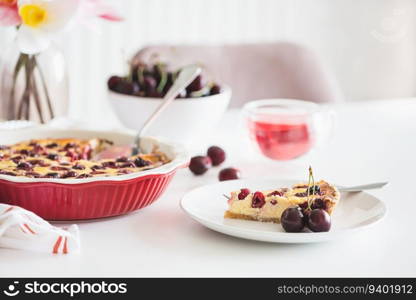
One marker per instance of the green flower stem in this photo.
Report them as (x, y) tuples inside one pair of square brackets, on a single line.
[(20, 62), (35, 92), (45, 88), (23, 111), (29, 64)]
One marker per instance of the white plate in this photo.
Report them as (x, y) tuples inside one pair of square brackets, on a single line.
[(207, 205)]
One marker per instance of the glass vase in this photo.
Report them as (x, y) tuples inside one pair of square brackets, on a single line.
[(33, 87)]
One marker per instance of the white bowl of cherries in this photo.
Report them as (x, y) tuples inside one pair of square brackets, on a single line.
[(189, 118)]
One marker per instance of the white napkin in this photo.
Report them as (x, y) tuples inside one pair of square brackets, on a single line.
[(22, 229)]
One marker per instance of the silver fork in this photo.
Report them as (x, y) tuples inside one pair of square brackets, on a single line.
[(363, 187)]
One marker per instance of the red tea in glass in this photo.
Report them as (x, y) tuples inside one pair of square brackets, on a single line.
[(281, 141), (285, 129)]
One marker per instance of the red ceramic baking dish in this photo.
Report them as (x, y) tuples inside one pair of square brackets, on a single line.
[(88, 198)]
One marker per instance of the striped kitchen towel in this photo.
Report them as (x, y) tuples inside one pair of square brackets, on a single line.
[(22, 229)]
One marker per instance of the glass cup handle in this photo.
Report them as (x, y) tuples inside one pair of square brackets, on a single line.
[(324, 123)]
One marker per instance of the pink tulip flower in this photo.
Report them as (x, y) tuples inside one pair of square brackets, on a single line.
[(9, 15)]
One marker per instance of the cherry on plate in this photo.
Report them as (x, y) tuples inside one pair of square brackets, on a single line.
[(200, 164), (229, 174), (319, 220), (292, 219)]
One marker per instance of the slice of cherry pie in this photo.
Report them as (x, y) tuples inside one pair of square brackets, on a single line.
[(268, 206)]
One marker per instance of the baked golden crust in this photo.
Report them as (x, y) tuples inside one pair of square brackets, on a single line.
[(70, 158), (230, 215)]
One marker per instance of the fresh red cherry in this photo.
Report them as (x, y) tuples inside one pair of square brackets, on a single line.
[(196, 85), (229, 174), (319, 220), (216, 154), (126, 87), (113, 82), (200, 164), (215, 89), (292, 219)]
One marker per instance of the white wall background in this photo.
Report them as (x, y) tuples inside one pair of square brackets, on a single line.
[(369, 44)]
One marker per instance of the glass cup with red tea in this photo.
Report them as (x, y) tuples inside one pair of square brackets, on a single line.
[(284, 129)]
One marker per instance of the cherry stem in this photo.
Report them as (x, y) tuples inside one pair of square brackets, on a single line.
[(23, 110), (163, 79), (129, 76), (310, 179)]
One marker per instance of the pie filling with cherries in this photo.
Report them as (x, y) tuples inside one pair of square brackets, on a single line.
[(71, 158), (268, 206)]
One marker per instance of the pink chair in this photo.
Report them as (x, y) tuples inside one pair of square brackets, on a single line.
[(256, 71)]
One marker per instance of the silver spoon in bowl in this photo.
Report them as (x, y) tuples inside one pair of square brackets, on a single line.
[(185, 77)]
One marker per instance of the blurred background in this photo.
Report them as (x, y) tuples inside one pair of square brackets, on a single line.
[(369, 45)]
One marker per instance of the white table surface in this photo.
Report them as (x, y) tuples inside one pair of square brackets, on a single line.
[(374, 141)]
